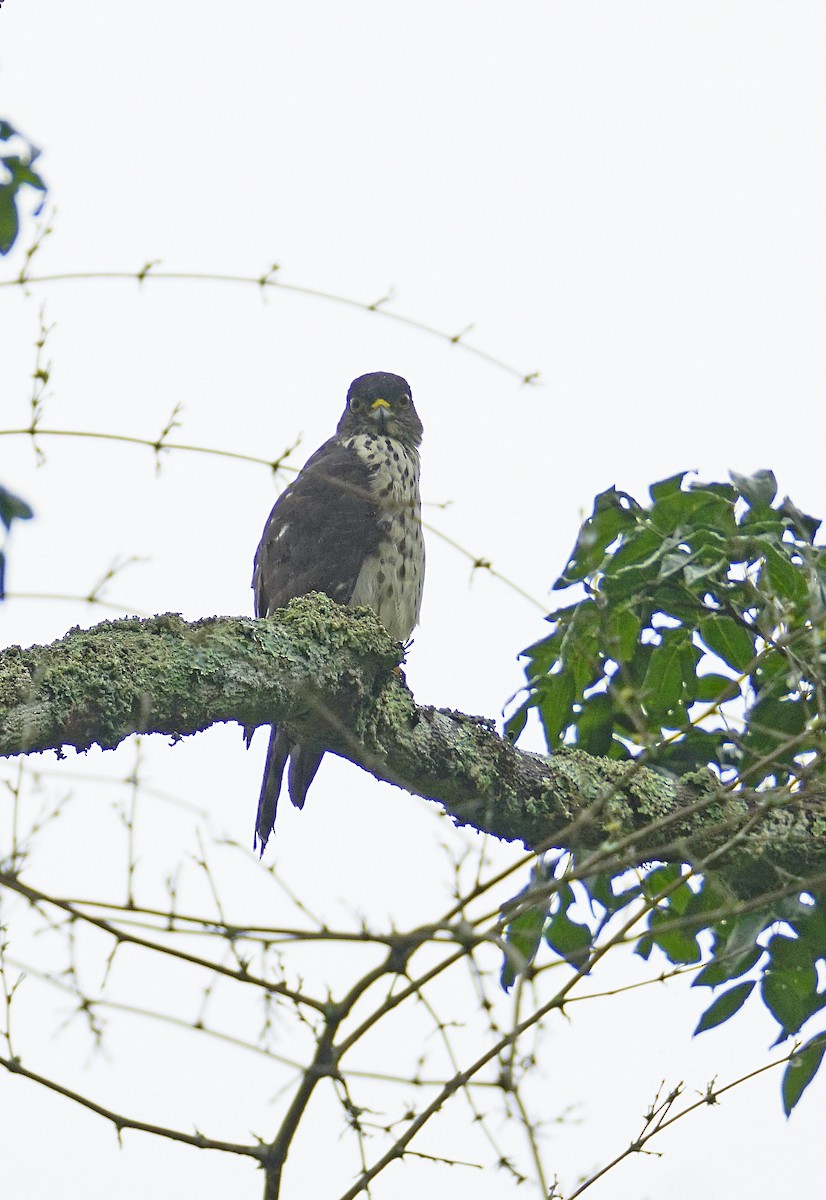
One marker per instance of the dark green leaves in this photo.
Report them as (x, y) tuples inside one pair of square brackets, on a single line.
[(12, 508), (541, 913), (613, 513), (725, 1006), (784, 577), (16, 173), (522, 938), (729, 640), (736, 949), (802, 1070), (675, 918), (758, 490), (788, 964), (569, 939), (789, 985), (696, 637)]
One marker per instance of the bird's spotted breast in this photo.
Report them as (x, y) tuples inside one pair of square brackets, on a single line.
[(391, 579)]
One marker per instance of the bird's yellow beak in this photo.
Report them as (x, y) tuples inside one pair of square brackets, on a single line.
[(379, 403)]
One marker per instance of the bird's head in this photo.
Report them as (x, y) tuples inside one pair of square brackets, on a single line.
[(381, 403)]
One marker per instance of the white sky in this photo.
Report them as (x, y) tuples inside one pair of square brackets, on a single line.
[(628, 198)]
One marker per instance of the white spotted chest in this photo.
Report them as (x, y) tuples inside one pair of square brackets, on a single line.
[(391, 580)]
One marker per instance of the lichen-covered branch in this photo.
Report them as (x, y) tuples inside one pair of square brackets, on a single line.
[(329, 672)]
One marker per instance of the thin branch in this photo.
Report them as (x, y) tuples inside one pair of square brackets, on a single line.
[(34, 896), (268, 281), (657, 1119), (15, 1067), (153, 444)]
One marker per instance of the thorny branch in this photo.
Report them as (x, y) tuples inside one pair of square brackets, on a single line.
[(269, 281)]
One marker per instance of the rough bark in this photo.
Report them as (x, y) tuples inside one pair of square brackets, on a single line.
[(329, 672)]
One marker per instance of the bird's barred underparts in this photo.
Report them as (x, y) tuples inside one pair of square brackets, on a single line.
[(392, 578)]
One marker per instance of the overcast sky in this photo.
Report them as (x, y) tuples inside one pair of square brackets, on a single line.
[(625, 198)]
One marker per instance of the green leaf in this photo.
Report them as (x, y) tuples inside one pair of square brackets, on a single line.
[(777, 719), (644, 947), (789, 993), (770, 676), (674, 599), (678, 945), (642, 546), (579, 649), (543, 654), (758, 490), (764, 523), (673, 563), (622, 631), (715, 689), (695, 573), (12, 508), (555, 695), (801, 1071), (663, 683), (685, 511), (21, 173), (601, 889), (571, 940), (789, 953), (691, 752), (727, 966), (787, 580), (666, 487), (613, 512), (803, 524), (595, 726), (809, 923), (723, 490), (658, 879), (517, 721), (742, 932), (729, 641), (725, 1006), (9, 224), (523, 936)]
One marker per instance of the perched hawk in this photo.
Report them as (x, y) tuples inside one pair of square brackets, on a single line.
[(349, 526)]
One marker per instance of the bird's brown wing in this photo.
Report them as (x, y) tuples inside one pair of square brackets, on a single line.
[(322, 528), (319, 533)]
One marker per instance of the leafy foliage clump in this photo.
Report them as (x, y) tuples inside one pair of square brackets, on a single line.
[(696, 642), (16, 173), (12, 508)]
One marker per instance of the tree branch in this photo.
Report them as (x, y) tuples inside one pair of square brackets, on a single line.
[(329, 673), (199, 1140)]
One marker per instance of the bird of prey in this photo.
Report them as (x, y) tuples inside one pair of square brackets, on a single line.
[(349, 526)]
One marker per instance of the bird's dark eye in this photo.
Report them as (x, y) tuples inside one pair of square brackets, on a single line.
[(355, 404), (403, 400)]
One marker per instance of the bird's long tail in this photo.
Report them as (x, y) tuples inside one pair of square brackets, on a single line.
[(277, 755), (304, 762)]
